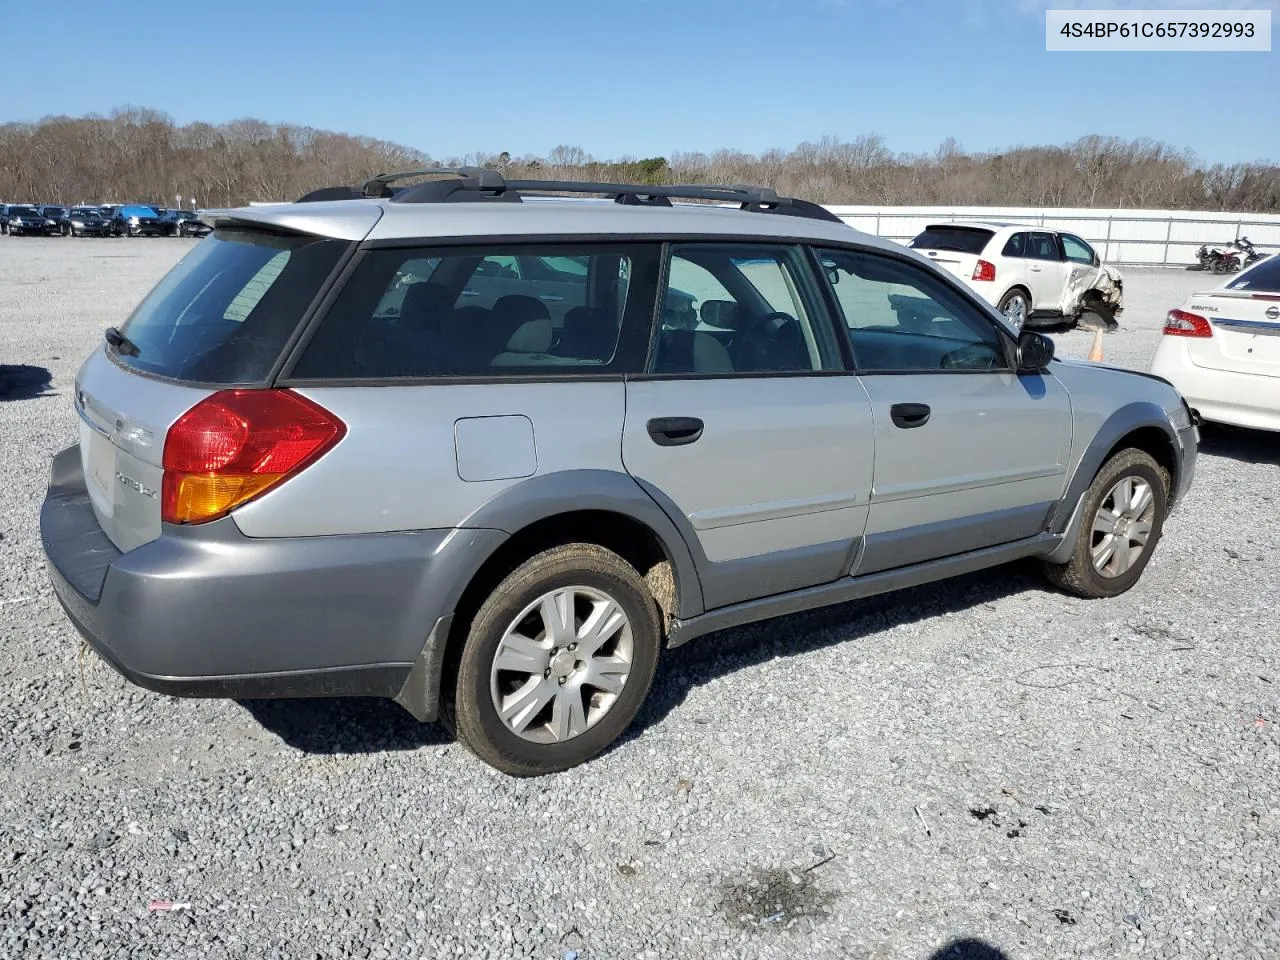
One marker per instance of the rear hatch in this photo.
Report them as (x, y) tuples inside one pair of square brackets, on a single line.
[(953, 247), (221, 318), (1245, 316)]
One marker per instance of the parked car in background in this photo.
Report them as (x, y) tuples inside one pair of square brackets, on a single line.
[(1221, 349), (822, 416), (53, 215), (25, 220), (85, 222), (186, 223), (135, 220), (1033, 275)]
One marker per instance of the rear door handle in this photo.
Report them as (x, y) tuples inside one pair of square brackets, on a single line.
[(908, 415), (550, 297), (1035, 269), (674, 431)]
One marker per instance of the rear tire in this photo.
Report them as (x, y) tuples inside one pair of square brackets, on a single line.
[(1016, 307), (566, 693), (1126, 502)]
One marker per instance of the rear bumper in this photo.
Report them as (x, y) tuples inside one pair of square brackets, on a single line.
[(205, 611), (1220, 396)]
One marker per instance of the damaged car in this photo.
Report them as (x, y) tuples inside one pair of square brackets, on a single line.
[(1035, 276)]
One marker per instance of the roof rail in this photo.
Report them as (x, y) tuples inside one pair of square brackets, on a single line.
[(472, 178), (478, 183)]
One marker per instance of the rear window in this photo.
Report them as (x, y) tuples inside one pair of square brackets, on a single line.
[(224, 313), (960, 239), (1265, 277), (494, 311)]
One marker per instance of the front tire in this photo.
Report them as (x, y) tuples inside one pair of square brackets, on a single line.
[(557, 661), (1124, 511), (1016, 307)]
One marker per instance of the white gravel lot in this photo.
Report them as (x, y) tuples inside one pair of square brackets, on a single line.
[(979, 765)]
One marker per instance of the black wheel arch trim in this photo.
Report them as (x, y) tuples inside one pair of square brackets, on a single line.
[(574, 491), (1129, 419)]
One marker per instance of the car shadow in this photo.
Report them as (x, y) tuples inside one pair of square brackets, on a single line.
[(348, 725), (968, 948), (355, 725), (1240, 444), (23, 381), (728, 651)]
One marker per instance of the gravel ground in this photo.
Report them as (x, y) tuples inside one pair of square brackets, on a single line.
[(976, 765)]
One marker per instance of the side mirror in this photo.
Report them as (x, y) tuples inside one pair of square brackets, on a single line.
[(1035, 350)]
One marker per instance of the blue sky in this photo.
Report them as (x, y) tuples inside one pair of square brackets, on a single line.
[(642, 77)]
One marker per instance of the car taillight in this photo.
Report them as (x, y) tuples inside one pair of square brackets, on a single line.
[(984, 271), (235, 445), (1183, 324)]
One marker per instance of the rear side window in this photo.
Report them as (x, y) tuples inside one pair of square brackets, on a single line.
[(224, 313), (1265, 277), (741, 309), (493, 311), (959, 239), (1042, 246)]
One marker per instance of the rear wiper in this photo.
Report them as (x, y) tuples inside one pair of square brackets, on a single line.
[(121, 342)]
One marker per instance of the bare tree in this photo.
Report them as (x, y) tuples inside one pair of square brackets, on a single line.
[(140, 154)]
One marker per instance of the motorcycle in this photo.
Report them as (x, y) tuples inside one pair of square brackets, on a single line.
[(1228, 257), (1251, 256)]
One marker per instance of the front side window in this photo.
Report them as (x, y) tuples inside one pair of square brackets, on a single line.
[(1042, 246), (740, 308), (425, 312), (1077, 250), (900, 318)]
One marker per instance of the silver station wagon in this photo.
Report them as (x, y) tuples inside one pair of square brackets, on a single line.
[(487, 449)]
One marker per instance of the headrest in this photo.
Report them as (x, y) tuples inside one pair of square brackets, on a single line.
[(532, 336)]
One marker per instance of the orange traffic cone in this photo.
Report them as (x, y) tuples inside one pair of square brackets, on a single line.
[(1095, 352)]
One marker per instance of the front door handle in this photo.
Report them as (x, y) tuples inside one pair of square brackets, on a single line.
[(674, 431), (550, 297), (1035, 269), (908, 415)]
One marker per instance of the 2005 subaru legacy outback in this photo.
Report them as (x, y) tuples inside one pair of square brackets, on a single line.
[(487, 453)]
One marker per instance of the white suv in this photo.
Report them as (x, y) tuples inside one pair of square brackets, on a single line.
[(1029, 273)]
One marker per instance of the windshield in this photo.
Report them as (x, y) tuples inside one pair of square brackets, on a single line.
[(83, 212), (137, 211), (1264, 278), (54, 211), (960, 239), (224, 313), (22, 212)]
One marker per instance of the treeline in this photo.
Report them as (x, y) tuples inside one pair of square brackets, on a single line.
[(140, 154)]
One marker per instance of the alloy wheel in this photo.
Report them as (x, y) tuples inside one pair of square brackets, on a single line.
[(1015, 311), (1122, 526), (561, 664)]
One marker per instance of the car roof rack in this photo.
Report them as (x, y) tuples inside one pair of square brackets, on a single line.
[(478, 184)]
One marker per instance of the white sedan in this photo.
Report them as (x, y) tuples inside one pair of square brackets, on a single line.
[(1221, 349)]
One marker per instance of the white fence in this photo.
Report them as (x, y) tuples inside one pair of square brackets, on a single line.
[(1135, 237)]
